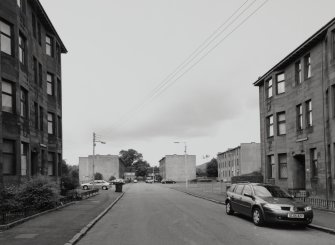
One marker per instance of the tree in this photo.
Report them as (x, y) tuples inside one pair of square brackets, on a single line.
[(212, 168), (70, 177), (141, 168), (112, 178), (129, 157), (98, 176)]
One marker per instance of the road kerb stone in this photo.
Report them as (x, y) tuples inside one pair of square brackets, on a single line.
[(322, 228), (84, 230)]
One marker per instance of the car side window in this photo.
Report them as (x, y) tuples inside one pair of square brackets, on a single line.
[(232, 187), (247, 190), (238, 189)]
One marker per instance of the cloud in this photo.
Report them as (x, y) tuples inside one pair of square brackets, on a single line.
[(197, 114)]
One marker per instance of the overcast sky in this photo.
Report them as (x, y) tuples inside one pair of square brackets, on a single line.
[(121, 50)]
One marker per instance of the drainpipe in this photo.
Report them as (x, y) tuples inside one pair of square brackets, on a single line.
[(324, 122)]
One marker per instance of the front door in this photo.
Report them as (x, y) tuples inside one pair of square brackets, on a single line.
[(299, 173), (34, 163)]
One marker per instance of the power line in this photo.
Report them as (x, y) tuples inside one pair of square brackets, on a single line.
[(168, 81)]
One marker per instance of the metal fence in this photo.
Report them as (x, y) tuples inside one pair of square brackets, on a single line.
[(14, 215), (319, 203)]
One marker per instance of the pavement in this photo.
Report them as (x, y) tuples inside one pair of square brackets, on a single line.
[(323, 219), (60, 226)]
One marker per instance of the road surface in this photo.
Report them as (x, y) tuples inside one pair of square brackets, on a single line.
[(151, 214)]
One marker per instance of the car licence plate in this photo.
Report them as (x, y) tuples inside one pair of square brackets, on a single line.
[(299, 216)]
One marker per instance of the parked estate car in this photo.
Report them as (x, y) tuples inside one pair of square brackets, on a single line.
[(135, 180), (115, 181), (266, 203), (98, 183), (149, 181), (168, 181)]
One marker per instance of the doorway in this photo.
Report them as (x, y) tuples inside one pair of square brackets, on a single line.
[(299, 178)]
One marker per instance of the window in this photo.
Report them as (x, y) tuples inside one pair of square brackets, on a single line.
[(309, 116), (51, 163), (7, 97), (5, 38), (314, 163), (282, 160), (298, 75), (50, 123), (35, 69), (41, 118), (24, 103), (271, 167), (269, 88), (247, 190), (238, 189), (40, 74), (8, 152), (19, 3), (50, 84), (281, 123), (22, 49), (299, 117), (280, 83), (333, 44), (270, 126), (308, 69), (24, 153), (48, 46)]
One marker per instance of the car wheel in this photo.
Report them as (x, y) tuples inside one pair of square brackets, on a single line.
[(229, 209), (257, 217), (85, 187)]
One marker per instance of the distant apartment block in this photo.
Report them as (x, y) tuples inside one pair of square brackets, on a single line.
[(107, 165), (297, 117), (173, 167), (31, 93), (244, 159)]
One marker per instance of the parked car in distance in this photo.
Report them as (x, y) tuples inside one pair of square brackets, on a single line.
[(266, 203), (97, 183), (150, 181), (115, 181), (135, 180), (168, 181)]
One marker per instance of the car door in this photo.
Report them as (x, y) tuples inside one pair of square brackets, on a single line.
[(236, 198), (246, 201)]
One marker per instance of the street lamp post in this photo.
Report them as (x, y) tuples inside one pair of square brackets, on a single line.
[(185, 161), (95, 140)]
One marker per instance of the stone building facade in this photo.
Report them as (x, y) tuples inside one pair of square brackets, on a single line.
[(297, 117), (31, 93), (107, 165), (173, 167), (244, 159)]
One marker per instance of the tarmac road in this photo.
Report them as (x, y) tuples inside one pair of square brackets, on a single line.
[(153, 214)]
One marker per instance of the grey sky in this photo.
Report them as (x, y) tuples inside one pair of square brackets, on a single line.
[(120, 50)]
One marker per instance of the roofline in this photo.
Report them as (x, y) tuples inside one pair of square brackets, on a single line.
[(230, 149), (317, 34), (39, 5)]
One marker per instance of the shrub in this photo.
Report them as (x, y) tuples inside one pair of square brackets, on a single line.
[(8, 200), (38, 193), (98, 176)]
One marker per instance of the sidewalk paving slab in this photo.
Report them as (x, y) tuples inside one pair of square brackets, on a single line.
[(60, 226), (323, 220)]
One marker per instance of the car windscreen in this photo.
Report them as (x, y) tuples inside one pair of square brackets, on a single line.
[(270, 191)]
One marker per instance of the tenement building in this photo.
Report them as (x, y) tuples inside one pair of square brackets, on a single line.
[(297, 117), (178, 167), (31, 97), (243, 159)]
